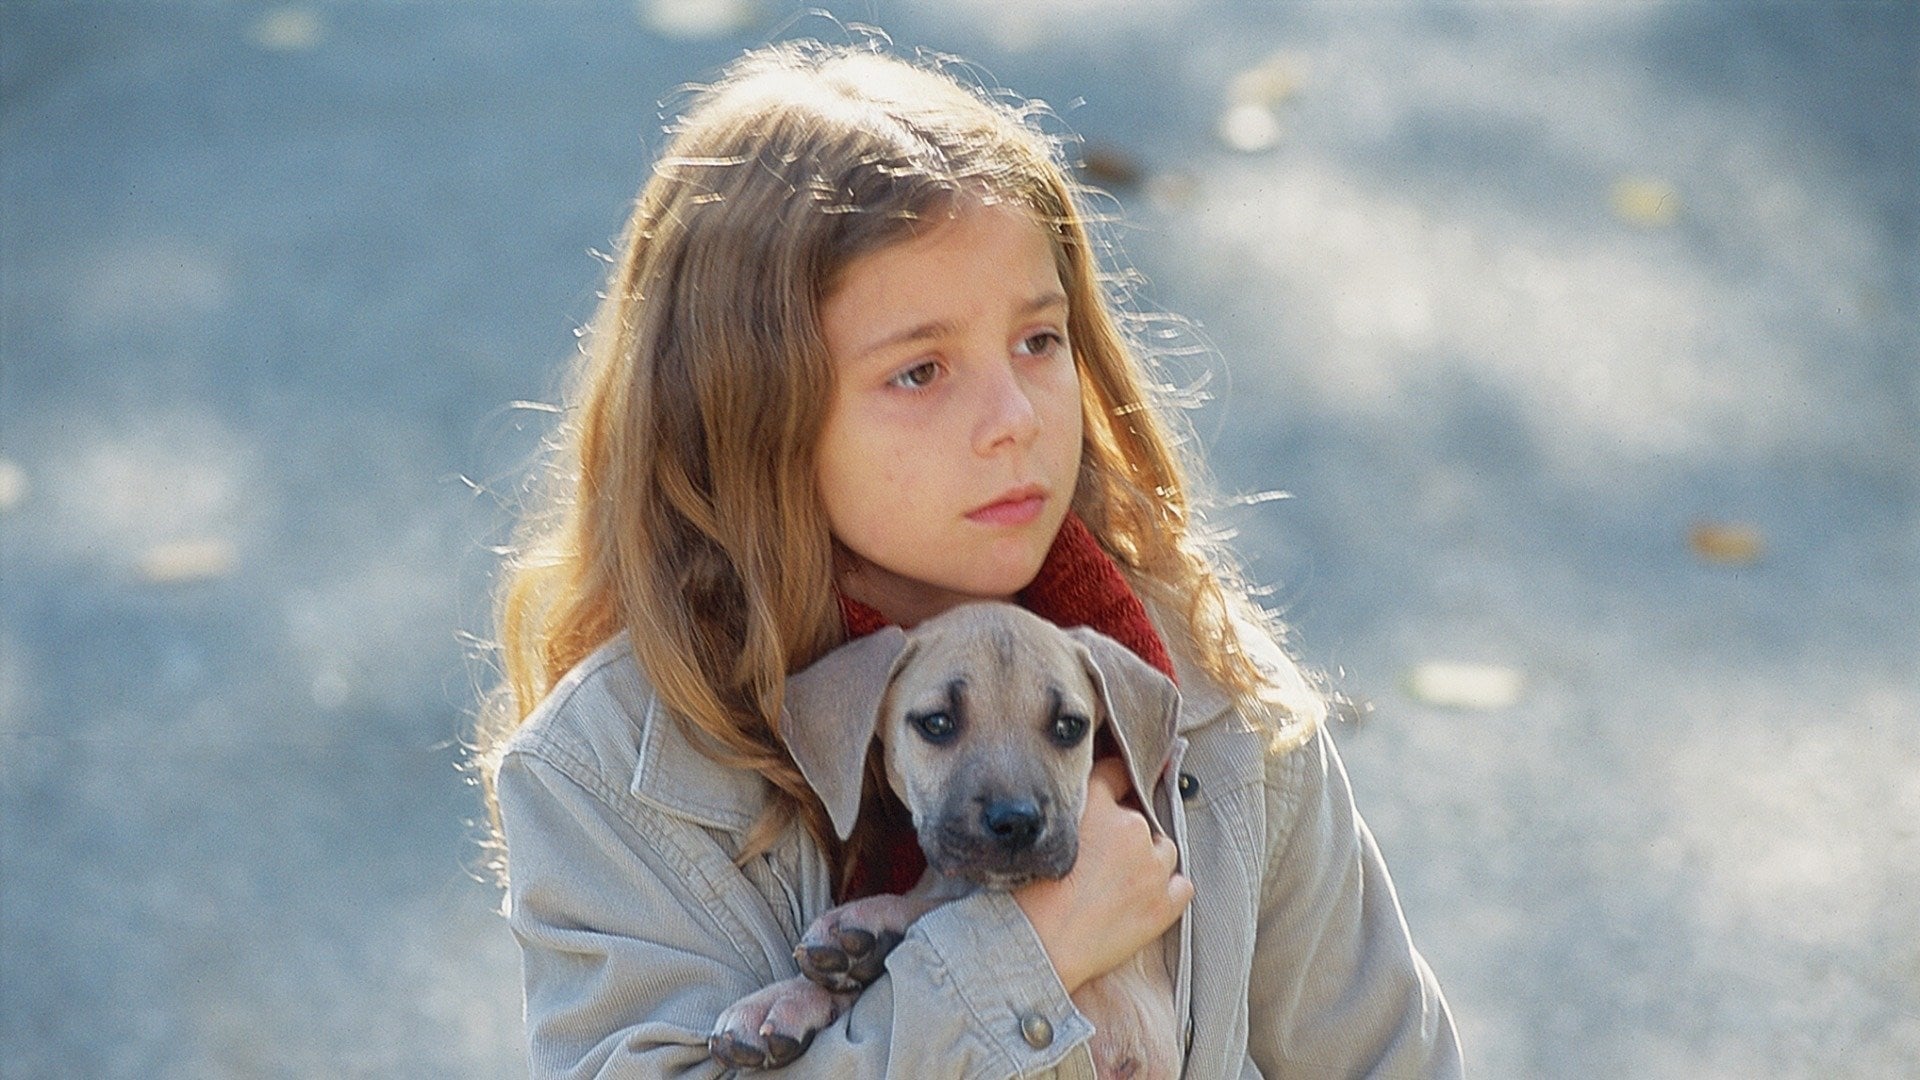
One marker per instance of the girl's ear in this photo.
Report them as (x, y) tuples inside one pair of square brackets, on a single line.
[(832, 708), (1140, 704)]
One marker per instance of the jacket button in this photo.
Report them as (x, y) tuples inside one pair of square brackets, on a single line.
[(1037, 1031), (1189, 786)]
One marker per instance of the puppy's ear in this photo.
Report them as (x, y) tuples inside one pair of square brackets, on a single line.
[(1140, 703), (831, 710)]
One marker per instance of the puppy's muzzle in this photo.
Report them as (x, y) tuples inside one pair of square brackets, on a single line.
[(1012, 824), (1000, 842)]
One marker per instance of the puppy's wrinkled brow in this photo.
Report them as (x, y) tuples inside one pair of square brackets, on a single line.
[(1004, 646)]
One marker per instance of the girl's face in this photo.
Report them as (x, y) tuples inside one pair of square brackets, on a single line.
[(952, 443)]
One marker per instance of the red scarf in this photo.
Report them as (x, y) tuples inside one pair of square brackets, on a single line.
[(1078, 585)]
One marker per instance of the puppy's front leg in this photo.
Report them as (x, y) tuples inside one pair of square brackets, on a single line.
[(846, 947), (774, 1025)]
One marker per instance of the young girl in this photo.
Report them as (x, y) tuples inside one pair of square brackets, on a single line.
[(855, 366)]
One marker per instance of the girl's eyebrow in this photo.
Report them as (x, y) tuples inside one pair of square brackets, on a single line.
[(930, 330)]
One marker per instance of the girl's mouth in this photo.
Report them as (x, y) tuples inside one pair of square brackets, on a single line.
[(1016, 507)]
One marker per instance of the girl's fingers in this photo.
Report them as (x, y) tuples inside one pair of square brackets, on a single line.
[(1123, 893), (1166, 853)]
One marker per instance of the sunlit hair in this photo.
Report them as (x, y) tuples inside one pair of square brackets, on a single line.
[(682, 503)]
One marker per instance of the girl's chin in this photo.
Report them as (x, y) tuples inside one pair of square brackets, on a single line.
[(927, 591), (1000, 578)]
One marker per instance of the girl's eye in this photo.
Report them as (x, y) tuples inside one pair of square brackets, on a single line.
[(935, 727), (1068, 729), (1042, 344), (917, 376)]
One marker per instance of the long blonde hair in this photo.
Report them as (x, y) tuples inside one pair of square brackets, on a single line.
[(682, 503)]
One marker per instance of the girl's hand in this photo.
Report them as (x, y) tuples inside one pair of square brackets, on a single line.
[(1121, 894)]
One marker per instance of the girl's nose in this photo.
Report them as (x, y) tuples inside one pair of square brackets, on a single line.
[(1008, 416)]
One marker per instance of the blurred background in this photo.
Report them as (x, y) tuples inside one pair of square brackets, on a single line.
[(1582, 336)]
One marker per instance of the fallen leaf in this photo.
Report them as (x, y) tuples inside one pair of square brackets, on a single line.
[(694, 20), (1172, 190), (1453, 685), (187, 560), (1644, 200), (1269, 83), (1729, 543), (13, 484), (288, 30), (1251, 122), (1111, 167), (1250, 128)]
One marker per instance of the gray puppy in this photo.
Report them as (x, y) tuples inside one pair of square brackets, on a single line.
[(987, 722)]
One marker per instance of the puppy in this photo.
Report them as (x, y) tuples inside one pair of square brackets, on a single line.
[(987, 723)]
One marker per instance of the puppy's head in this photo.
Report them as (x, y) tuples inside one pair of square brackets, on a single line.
[(987, 715), (988, 733)]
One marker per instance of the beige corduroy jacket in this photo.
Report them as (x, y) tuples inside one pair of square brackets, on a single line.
[(637, 929)]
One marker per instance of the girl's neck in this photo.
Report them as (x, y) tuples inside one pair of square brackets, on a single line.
[(1079, 584), (903, 602)]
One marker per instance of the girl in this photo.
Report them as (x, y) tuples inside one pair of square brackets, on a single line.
[(855, 366)]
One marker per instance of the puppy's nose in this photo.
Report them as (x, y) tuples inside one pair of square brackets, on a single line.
[(1012, 823)]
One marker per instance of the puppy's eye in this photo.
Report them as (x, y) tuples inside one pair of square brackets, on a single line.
[(935, 727), (1068, 729)]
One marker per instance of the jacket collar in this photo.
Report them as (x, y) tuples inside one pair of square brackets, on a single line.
[(1201, 699), (674, 774)]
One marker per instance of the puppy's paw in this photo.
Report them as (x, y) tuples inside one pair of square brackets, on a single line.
[(846, 947), (771, 1027)]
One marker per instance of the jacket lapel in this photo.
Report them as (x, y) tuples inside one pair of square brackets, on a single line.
[(674, 775)]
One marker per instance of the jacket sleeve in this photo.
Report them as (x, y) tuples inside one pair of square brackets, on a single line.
[(629, 956), (1337, 989)]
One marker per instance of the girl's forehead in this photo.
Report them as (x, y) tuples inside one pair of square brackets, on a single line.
[(984, 258), (966, 231)]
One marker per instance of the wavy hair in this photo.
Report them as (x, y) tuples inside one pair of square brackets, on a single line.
[(681, 502)]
